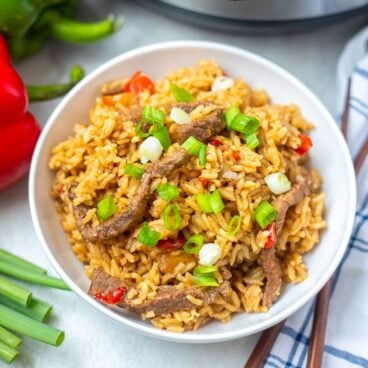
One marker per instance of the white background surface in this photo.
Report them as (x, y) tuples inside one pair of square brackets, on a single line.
[(91, 339)]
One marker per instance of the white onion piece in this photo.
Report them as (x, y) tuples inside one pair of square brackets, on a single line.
[(222, 83), (209, 254), (230, 174), (150, 149), (179, 116), (278, 183)]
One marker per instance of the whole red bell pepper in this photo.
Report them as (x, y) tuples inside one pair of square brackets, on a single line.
[(19, 130)]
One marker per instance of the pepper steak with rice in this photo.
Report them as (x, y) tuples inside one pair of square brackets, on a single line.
[(189, 199)]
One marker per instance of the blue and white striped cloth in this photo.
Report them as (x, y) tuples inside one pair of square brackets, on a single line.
[(347, 333)]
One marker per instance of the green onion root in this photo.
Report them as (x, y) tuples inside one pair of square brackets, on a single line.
[(29, 327)]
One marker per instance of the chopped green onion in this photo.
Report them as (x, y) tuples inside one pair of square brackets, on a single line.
[(205, 269), (192, 146), (106, 207), (205, 276), (230, 114), (36, 309), (24, 325), (148, 236), (193, 244), (7, 353), (210, 202), (153, 115), (172, 218), (203, 201), (180, 94), (13, 291), (31, 277), (265, 214), (134, 171), (10, 258), (168, 191), (203, 155), (162, 134), (139, 129), (252, 141), (244, 124), (9, 339), (216, 202), (234, 225)]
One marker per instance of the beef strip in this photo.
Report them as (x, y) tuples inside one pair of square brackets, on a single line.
[(201, 129), (134, 214), (169, 298), (268, 259), (113, 87)]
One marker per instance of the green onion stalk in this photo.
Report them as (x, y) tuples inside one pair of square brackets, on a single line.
[(7, 353), (9, 339), (36, 309), (27, 326), (33, 278), (20, 262), (14, 292)]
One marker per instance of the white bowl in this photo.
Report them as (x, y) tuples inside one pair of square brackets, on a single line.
[(329, 155)]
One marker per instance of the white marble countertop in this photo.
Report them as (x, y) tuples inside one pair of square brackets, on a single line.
[(91, 339)]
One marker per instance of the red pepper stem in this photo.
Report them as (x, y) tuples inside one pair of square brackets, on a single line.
[(48, 92), (77, 32)]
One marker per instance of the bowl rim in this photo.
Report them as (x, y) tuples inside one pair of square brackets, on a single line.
[(150, 330)]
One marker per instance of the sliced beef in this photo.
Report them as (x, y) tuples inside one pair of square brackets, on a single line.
[(200, 129), (268, 259), (113, 87), (134, 214), (169, 298)]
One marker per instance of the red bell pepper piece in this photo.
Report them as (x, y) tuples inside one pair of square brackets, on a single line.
[(112, 297), (138, 83), (171, 244), (271, 239), (18, 128), (305, 144)]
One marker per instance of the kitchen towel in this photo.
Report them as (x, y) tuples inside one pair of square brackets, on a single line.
[(346, 342)]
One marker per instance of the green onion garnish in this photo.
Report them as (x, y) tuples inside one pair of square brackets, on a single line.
[(180, 94), (148, 236), (205, 276), (265, 214), (194, 244), (162, 134), (7, 353), (216, 202), (139, 128), (252, 141), (192, 146), (210, 202), (9, 339), (36, 309), (106, 207), (14, 292), (230, 114), (202, 155), (240, 122), (172, 218), (234, 225), (153, 115), (168, 191), (134, 171), (34, 278), (17, 322)]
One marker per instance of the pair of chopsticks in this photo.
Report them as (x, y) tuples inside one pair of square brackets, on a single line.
[(317, 340)]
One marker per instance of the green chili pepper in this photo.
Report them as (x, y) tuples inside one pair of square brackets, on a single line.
[(17, 16), (47, 92)]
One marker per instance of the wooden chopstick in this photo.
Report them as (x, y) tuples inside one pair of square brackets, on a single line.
[(316, 345)]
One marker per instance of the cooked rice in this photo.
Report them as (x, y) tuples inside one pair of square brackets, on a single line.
[(95, 157)]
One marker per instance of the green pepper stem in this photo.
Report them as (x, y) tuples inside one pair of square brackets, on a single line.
[(47, 92), (77, 32)]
